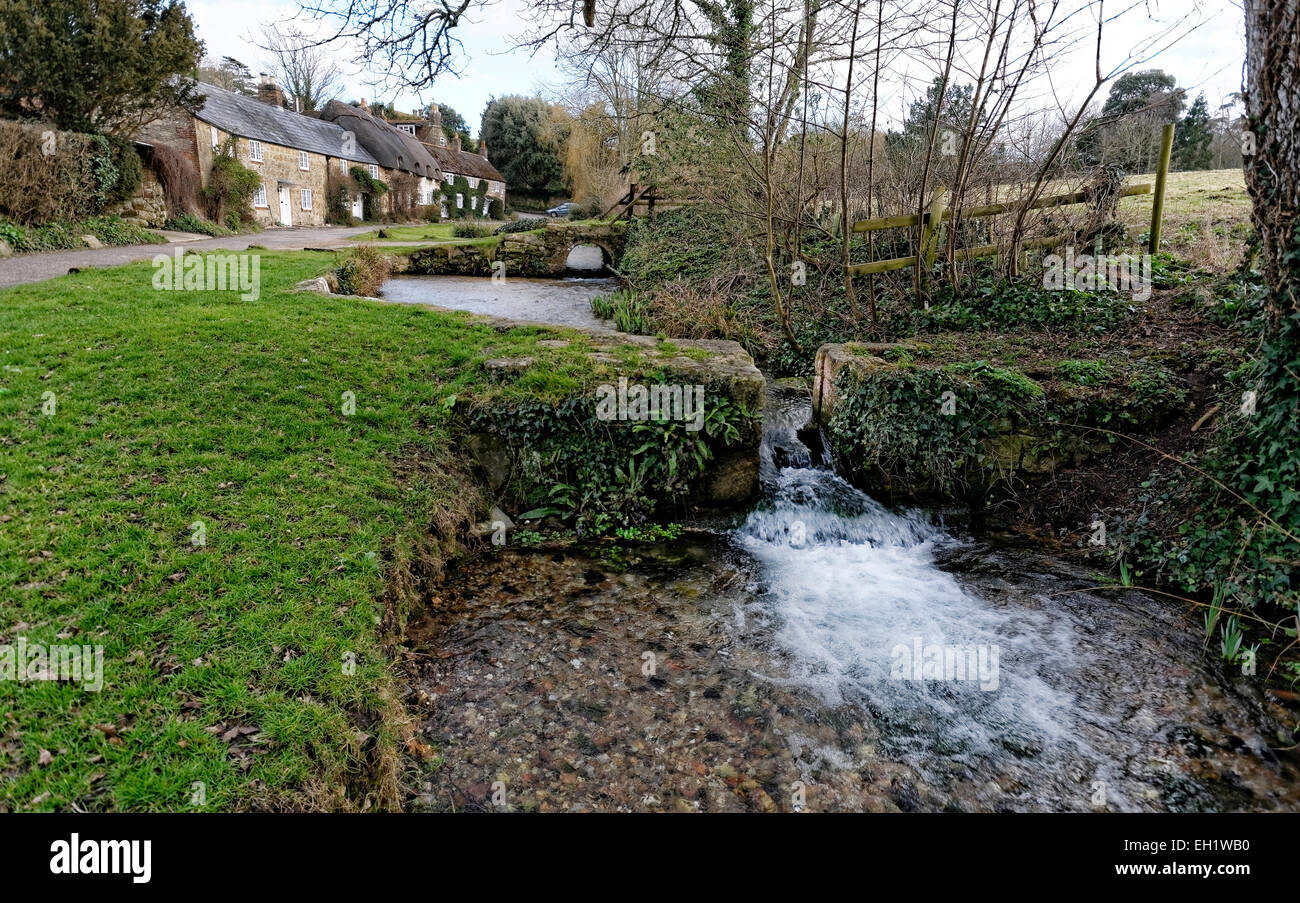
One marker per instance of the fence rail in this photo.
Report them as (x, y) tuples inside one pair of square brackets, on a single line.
[(933, 219)]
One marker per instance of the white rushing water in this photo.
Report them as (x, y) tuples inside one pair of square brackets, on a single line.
[(863, 616)]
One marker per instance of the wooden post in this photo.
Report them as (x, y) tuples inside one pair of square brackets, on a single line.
[(1162, 174), (930, 234)]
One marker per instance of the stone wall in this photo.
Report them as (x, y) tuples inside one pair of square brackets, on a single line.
[(147, 207), (909, 424), (544, 253), (518, 466)]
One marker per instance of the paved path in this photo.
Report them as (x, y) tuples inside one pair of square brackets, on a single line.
[(23, 268)]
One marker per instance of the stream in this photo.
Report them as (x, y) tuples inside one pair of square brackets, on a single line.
[(825, 653)]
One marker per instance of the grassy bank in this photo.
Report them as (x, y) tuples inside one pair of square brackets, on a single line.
[(228, 656)]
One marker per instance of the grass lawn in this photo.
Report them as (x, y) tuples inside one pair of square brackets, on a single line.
[(227, 662), (440, 232)]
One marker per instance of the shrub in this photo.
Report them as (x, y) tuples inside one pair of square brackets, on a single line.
[(519, 225), (188, 222), (471, 230), (115, 168), (495, 208), (364, 272), (52, 175), (578, 211), (626, 308), (231, 186), (66, 235), (111, 230)]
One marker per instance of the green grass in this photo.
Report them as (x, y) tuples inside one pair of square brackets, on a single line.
[(440, 232), (174, 408)]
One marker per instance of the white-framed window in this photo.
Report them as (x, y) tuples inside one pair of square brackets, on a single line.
[(374, 171), (303, 162), (460, 201), (473, 183), (306, 199), (343, 166), (259, 196), (216, 138), (473, 202), (255, 151), (450, 178), (426, 195)]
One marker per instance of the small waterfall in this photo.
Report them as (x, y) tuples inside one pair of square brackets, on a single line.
[(862, 616)]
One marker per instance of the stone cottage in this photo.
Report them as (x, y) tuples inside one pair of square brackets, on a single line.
[(452, 159), (291, 152), (402, 163)]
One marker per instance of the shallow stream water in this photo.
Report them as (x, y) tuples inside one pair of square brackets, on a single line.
[(825, 653)]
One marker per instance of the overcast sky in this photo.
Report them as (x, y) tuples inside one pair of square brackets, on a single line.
[(1208, 57)]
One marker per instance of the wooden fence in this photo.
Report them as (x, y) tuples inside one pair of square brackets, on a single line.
[(933, 219)]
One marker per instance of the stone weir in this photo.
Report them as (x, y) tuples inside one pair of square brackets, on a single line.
[(907, 423), (540, 252), (648, 428)]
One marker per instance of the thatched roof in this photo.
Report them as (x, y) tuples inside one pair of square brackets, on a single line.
[(463, 163), (393, 148), (249, 117)]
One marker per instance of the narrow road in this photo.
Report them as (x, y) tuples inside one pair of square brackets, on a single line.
[(22, 268)]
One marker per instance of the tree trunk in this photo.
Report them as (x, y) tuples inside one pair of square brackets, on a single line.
[(1273, 123)]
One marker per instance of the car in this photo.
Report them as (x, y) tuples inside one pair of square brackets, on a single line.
[(562, 209)]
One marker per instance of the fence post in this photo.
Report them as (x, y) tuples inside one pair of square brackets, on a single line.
[(1162, 174), (929, 246)]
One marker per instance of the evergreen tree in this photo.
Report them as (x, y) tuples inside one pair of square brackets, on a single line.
[(96, 65), (1193, 136)]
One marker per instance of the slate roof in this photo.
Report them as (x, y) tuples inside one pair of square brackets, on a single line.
[(393, 148), (249, 117), (463, 163)]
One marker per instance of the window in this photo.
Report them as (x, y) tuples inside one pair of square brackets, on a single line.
[(255, 151), (473, 202), (374, 171), (450, 178), (343, 166), (259, 197), (303, 163), (473, 183), (216, 138), (426, 195), (306, 199), (460, 201)]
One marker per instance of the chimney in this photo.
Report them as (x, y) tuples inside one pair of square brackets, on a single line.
[(482, 148), (455, 142), (268, 91), (435, 116), (363, 105)]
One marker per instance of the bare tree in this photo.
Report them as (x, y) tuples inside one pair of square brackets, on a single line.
[(304, 67)]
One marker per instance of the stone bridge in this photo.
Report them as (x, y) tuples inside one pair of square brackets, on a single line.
[(536, 253), (545, 253)]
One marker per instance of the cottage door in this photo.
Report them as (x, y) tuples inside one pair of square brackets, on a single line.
[(357, 210), (286, 208)]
